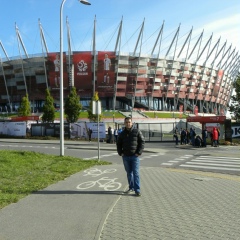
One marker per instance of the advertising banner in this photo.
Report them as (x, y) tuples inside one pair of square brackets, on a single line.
[(80, 130), (210, 126), (236, 131), (106, 72), (82, 70), (218, 83), (54, 71), (13, 128)]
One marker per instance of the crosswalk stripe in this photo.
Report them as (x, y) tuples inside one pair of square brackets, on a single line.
[(212, 164), (237, 159), (209, 167), (215, 161)]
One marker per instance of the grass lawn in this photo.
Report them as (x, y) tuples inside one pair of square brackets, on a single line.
[(165, 115), (109, 114), (24, 172), (106, 114)]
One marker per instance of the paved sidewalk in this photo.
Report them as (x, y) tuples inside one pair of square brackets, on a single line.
[(175, 204)]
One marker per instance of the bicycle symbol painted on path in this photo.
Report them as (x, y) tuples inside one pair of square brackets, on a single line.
[(94, 172), (106, 183)]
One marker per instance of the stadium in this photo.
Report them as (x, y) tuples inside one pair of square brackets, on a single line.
[(191, 74)]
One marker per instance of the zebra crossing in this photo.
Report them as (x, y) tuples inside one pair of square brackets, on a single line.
[(211, 163), (115, 153)]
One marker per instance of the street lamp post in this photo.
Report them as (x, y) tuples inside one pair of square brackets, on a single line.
[(61, 77)]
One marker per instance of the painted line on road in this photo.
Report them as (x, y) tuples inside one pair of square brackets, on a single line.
[(211, 164), (220, 158), (209, 167), (216, 161)]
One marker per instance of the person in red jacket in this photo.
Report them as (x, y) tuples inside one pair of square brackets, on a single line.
[(215, 137)]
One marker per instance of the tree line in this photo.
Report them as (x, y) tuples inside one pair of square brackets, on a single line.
[(72, 107)]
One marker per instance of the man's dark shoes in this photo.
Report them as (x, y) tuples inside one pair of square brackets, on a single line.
[(128, 191), (138, 194)]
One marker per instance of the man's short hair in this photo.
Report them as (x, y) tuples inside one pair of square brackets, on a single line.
[(127, 118)]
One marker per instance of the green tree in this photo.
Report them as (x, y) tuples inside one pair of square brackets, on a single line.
[(234, 107), (25, 108), (93, 117), (72, 106), (48, 108)]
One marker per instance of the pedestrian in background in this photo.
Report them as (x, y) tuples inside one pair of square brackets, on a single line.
[(115, 135), (204, 136), (110, 133), (90, 134), (130, 146), (175, 135), (215, 136)]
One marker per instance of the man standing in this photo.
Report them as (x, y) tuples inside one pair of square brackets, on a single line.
[(176, 133), (130, 146), (204, 136)]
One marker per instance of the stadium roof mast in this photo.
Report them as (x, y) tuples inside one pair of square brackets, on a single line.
[(118, 45), (159, 35), (233, 66), (204, 48), (5, 81), (6, 55), (170, 73), (224, 55), (140, 50), (188, 39), (212, 64), (43, 43), (199, 39), (118, 42), (139, 36), (24, 49), (21, 42), (215, 46), (223, 47), (184, 44), (204, 66), (158, 54)]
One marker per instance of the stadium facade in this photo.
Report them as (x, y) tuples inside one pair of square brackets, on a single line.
[(176, 81)]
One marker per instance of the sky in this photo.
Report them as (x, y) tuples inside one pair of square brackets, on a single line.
[(218, 17)]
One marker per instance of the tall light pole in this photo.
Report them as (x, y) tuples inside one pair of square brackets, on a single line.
[(61, 78)]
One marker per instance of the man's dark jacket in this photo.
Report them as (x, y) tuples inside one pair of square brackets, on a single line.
[(130, 142)]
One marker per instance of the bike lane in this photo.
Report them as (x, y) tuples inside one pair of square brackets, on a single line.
[(74, 208)]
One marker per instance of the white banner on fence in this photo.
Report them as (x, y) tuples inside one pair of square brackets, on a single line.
[(79, 130), (13, 128)]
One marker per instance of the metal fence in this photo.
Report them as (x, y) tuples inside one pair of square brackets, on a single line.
[(162, 132)]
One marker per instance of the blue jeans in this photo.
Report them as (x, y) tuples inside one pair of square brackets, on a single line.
[(131, 165)]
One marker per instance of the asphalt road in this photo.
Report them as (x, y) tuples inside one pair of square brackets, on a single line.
[(224, 159)]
